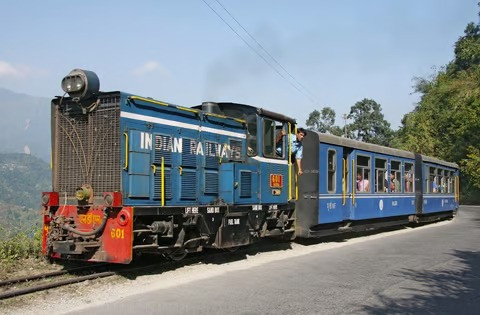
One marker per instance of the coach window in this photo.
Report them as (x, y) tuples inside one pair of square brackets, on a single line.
[(409, 177), (395, 176), (432, 186), (380, 171), (363, 173), (331, 170), (442, 177), (451, 182)]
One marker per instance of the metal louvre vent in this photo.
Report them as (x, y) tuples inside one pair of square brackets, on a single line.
[(245, 184), (163, 148), (211, 182), (211, 155), (157, 194), (189, 158), (87, 146), (189, 184)]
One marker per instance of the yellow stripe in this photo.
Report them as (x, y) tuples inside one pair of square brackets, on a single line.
[(163, 181), (226, 117), (289, 164), (353, 181), (126, 151), (148, 100)]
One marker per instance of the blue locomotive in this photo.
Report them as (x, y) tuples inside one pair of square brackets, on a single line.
[(134, 175)]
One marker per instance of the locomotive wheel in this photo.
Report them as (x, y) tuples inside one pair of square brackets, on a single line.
[(177, 255), (232, 249)]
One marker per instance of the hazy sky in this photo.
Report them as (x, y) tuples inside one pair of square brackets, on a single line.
[(181, 52)]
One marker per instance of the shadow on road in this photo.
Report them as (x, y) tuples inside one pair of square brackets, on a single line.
[(446, 291)]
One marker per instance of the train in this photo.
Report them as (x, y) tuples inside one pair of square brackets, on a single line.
[(135, 175)]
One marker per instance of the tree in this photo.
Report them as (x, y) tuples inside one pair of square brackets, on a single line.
[(446, 121), (369, 124), (322, 121)]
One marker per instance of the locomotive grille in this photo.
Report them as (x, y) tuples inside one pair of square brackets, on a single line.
[(87, 146)]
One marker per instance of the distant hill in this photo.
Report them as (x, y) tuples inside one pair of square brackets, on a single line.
[(25, 123), (22, 179)]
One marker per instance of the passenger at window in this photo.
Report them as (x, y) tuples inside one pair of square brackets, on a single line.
[(363, 184), (408, 182), (394, 183), (296, 146), (435, 185)]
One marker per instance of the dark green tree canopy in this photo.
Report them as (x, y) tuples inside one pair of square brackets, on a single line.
[(323, 121), (369, 124)]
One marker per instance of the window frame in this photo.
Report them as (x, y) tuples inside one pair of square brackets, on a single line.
[(412, 173), (385, 171), (397, 172), (283, 140), (334, 190), (369, 168)]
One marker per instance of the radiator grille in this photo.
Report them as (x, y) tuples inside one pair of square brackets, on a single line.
[(87, 146)]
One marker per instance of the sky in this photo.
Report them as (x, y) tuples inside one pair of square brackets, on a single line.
[(337, 52)]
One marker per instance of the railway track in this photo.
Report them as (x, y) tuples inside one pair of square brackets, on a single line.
[(158, 266), (8, 293)]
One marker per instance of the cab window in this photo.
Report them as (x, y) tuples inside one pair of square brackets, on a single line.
[(271, 148)]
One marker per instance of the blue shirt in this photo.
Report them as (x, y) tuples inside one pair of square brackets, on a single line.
[(297, 147)]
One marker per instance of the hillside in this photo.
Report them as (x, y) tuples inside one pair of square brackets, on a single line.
[(25, 122), (22, 179)]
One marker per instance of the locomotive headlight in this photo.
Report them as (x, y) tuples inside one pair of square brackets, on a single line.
[(81, 84)]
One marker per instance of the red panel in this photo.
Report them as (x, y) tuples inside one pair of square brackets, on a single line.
[(53, 198), (116, 238)]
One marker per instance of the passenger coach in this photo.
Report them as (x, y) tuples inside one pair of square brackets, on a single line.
[(402, 186)]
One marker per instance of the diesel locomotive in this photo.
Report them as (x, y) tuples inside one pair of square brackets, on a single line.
[(135, 175)]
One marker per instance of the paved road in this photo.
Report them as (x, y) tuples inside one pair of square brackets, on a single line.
[(428, 270)]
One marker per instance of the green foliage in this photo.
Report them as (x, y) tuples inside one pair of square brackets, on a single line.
[(322, 121), (369, 124), (21, 246), (22, 179), (446, 121), (471, 166)]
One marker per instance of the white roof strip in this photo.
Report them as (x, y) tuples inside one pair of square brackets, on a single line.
[(175, 123)]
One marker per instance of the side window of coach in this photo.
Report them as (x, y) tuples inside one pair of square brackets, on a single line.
[(331, 169), (380, 171), (363, 174), (409, 177), (395, 176)]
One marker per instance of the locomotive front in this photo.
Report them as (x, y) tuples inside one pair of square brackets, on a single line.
[(82, 216)]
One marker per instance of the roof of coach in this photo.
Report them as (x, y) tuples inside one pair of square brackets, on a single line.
[(355, 144)]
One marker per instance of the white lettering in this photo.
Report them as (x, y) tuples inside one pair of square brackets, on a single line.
[(199, 150), (177, 145)]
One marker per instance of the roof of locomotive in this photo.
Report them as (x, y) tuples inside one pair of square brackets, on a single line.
[(240, 111), (355, 144)]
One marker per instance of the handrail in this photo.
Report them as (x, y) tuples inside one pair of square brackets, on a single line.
[(162, 171), (289, 163), (353, 182), (126, 151), (344, 183)]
